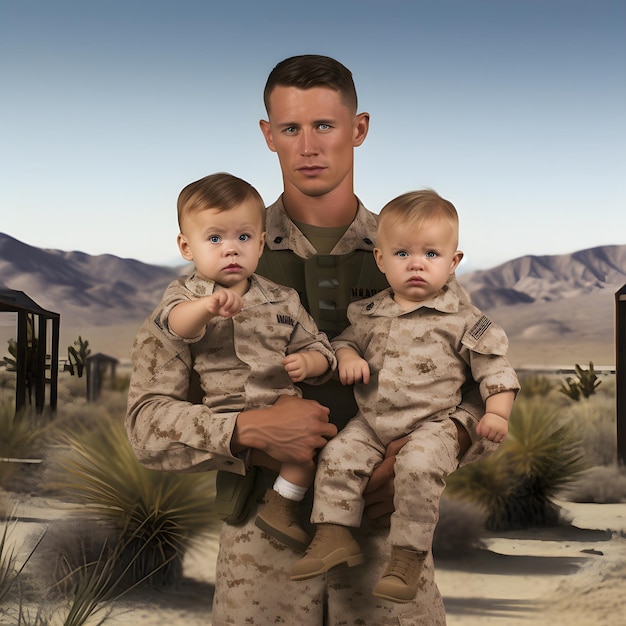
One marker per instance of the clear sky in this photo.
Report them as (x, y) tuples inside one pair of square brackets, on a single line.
[(515, 110)]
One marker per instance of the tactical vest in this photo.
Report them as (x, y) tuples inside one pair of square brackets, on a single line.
[(327, 283)]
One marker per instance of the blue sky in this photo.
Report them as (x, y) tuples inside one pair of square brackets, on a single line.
[(515, 110)]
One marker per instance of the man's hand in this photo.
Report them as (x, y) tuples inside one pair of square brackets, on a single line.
[(378, 494), (292, 430)]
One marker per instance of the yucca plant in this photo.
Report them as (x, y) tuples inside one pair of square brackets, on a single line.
[(517, 484), (158, 514), (9, 572)]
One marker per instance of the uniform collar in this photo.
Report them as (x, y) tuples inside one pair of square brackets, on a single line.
[(283, 234), (446, 301), (261, 289)]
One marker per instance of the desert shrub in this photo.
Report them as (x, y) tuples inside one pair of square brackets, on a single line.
[(18, 435), (460, 529), (7, 379), (9, 570), (583, 386), (600, 485), (536, 385), (517, 484), (595, 419), (158, 514)]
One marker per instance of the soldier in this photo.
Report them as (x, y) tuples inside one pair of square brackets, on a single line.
[(320, 241), (412, 347)]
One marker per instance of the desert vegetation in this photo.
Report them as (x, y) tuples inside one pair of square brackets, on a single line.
[(561, 445), (131, 527)]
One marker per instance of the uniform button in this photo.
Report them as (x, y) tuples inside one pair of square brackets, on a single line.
[(278, 239)]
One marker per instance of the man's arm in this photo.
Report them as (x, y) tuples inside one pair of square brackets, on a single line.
[(167, 432)]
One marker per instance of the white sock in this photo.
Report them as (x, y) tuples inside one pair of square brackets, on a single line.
[(289, 490)]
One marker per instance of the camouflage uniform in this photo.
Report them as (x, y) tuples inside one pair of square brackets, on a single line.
[(170, 433), (241, 354), (419, 360)]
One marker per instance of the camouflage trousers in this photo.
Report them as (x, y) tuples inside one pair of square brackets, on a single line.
[(421, 469), (253, 586)]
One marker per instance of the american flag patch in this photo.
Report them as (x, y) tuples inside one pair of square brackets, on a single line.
[(479, 328)]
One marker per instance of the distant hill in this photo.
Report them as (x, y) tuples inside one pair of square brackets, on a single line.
[(531, 279), (86, 290), (554, 308)]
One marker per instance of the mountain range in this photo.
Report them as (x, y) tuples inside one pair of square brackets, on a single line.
[(540, 300)]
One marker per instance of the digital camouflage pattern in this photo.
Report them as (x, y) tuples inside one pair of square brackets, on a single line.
[(419, 360)]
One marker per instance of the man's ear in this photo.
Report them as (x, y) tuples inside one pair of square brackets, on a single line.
[(378, 257), (361, 128), (266, 129), (456, 259), (183, 246)]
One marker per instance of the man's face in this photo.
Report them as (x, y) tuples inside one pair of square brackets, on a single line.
[(314, 134)]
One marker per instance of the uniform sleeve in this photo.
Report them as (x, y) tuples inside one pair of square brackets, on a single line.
[(348, 338), (167, 431), (485, 345), (175, 293), (306, 336)]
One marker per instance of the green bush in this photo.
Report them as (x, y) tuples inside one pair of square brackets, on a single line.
[(158, 514), (517, 484), (536, 385)]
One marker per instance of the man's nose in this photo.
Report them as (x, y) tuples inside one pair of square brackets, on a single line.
[(308, 143)]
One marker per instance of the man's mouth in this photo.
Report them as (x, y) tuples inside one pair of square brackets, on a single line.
[(311, 170)]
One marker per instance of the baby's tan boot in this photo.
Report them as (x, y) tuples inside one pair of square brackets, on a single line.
[(332, 545), (399, 582), (279, 518)]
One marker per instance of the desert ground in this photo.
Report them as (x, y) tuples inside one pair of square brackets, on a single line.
[(574, 575)]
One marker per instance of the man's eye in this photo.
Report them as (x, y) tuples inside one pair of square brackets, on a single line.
[(244, 237), (290, 130), (215, 238), (324, 126)]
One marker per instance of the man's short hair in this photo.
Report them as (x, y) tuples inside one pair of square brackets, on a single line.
[(312, 70)]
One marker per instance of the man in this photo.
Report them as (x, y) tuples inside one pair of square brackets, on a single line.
[(320, 240)]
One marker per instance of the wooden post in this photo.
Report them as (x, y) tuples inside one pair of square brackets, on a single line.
[(620, 372)]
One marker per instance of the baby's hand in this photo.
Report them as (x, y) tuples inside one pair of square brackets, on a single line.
[(493, 427), (296, 366), (224, 303), (353, 369)]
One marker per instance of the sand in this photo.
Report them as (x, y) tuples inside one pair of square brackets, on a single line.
[(567, 576)]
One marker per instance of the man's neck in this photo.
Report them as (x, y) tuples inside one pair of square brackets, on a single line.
[(333, 209)]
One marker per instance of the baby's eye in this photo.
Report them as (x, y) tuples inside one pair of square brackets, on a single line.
[(402, 253), (244, 237), (215, 238), (431, 254)]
